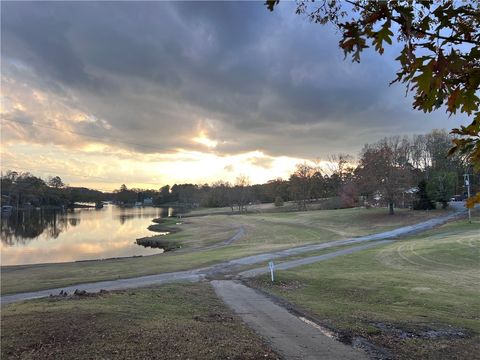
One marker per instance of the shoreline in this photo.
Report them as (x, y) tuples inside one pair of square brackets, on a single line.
[(156, 222), (159, 241)]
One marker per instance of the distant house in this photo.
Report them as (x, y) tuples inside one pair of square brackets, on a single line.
[(148, 201)]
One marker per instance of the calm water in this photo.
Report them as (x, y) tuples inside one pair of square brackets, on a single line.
[(46, 236)]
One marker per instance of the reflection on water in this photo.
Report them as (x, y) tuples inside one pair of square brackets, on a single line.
[(23, 226), (40, 236)]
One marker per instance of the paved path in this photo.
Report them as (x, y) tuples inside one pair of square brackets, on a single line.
[(234, 265), (229, 266), (291, 337), (309, 260), (121, 284)]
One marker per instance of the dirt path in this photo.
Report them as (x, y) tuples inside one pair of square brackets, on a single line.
[(288, 335), (237, 236), (233, 265)]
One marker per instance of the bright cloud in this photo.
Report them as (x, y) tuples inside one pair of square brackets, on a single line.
[(203, 139)]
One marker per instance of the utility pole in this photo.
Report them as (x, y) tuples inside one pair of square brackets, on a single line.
[(466, 177)]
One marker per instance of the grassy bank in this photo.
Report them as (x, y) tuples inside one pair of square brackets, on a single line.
[(418, 298), (171, 322), (263, 233)]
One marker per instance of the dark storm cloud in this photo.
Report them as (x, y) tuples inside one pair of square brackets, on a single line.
[(31, 32), (158, 71)]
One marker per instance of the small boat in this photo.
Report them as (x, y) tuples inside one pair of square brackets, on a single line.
[(99, 205)]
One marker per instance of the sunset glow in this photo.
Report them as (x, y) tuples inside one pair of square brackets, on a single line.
[(194, 113), (203, 139)]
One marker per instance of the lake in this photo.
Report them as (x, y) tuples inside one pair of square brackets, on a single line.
[(41, 236)]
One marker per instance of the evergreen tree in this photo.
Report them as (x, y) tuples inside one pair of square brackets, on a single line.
[(423, 201)]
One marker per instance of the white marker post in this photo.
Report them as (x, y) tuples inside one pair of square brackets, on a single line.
[(271, 265), (466, 177)]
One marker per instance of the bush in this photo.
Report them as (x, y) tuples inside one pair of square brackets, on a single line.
[(349, 195), (158, 242), (278, 201)]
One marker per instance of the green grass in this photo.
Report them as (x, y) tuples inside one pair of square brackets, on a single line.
[(294, 228), (422, 283), (172, 322), (263, 233)]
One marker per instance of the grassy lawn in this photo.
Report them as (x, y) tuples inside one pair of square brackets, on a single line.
[(394, 295), (263, 232), (272, 229), (170, 322)]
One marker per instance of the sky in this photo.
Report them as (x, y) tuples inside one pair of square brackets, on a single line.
[(156, 93)]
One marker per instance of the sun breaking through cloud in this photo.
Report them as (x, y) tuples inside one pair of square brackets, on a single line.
[(90, 90)]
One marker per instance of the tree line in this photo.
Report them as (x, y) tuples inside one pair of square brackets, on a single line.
[(438, 45), (23, 189), (394, 172)]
